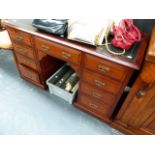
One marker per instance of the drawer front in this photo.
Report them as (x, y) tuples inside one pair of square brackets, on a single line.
[(59, 51), (102, 82), (98, 93), (105, 67), (26, 61), (20, 36), (95, 106), (26, 72), (24, 50)]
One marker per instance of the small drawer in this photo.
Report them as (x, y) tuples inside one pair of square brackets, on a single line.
[(26, 72), (58, 51), (108, 68), (95, 106), (27, 51), (97, 93), (102, 82), (20, 36), (26, 61)]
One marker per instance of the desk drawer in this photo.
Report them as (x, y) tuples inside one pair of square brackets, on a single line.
[(102, 82), (105, 67), (97, 93), (27, 51), (28, 73), (26, 61), (93, 105), (59, 51), (20, 36)]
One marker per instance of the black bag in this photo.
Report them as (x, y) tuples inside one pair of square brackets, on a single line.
[(54, 26)]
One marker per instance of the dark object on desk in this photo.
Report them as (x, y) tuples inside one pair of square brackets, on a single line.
[(54, 26)]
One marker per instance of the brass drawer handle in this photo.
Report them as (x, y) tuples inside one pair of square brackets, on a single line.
[(103, 68), (19, 38), (99, 83), (93, 105), (66, 55), (23, 51), (45, 48), (27, 62), (97, 95), (29, 75)]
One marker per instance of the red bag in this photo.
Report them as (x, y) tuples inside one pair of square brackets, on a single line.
[(126, 34)]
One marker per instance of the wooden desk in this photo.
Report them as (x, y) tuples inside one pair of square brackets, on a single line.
[(103, 76)]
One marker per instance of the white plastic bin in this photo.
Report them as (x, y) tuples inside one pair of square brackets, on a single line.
[(53, 89)]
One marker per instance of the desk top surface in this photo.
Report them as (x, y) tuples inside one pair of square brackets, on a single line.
[(132, 58)]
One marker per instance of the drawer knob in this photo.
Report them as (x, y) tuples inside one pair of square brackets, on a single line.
[(99, 83), (29, 75), (93, 105), (23, 51), (66, 55), (96, 95), (103, 68), (45, 48), (19, 38)]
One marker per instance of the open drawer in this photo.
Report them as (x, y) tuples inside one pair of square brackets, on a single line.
[(59, 91)]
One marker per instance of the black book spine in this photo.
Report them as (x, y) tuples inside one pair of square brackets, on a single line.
[(59, 75), (64, 78), (73, 79), (63, 86)]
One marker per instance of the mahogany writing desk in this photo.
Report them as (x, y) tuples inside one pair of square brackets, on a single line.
[(103, 76)]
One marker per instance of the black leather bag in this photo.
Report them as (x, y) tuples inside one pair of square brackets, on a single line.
[(54, 26)]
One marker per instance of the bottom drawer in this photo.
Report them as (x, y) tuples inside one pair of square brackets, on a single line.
[(58, 90), (30, 74), (99, 108)]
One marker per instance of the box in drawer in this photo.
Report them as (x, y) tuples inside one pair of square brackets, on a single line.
[(53, 89), (97, 93), (24, 50), (28, 73), (97, 107), (20, 36), (58, 51), (108, 68), (26, 61), (102, 82)]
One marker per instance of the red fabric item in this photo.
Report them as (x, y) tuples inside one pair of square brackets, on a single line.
[(125, 34)]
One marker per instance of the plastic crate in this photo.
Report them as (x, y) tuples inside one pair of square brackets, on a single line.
[(53, 89)]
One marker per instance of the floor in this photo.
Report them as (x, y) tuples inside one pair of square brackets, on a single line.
[(26, 109)]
